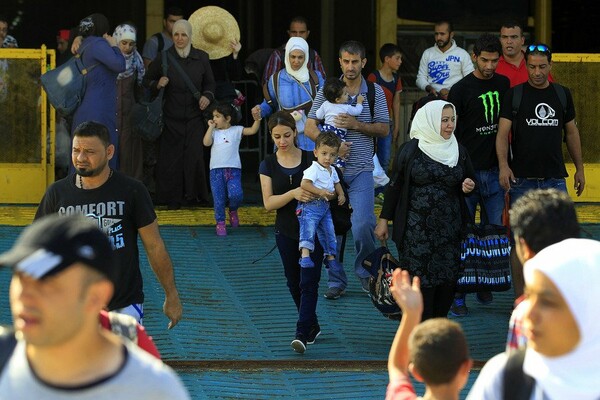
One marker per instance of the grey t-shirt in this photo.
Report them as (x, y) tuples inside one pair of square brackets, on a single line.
[(141, 377), (150, 50)]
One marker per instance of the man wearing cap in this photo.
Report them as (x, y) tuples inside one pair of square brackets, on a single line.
[(122, 208), (63, 277), (162, 40), (537, 123), (298, 28)]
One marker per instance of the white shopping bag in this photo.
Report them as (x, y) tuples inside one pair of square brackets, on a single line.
[(381, 179)]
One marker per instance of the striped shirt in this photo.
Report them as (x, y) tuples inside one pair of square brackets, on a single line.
[(361, 154)]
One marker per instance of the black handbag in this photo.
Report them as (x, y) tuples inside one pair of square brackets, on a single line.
[(484, 258), (65, 85), (381, 264), (147, 116)]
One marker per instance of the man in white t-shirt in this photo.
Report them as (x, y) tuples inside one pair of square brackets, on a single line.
[(63, 276)]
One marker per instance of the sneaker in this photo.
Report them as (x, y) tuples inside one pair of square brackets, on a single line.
[(221, 230), (364, 283), (299, 345), (314, 332), (234, 219), (306, 262), (379, 198), (459, 308), (484, 297), (334, 293)]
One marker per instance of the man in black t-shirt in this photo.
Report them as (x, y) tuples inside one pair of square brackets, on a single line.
[(477, 98), (123, 209), (536, 160)]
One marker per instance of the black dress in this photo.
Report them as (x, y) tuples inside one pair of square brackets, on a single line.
[(430, 247)]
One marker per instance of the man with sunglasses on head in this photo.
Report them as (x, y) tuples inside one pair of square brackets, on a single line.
[(537, 122)]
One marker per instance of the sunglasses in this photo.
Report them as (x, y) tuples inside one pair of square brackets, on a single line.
[(538, 47)]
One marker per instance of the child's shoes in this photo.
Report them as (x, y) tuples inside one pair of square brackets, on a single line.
[(234, 219), (221, 230)]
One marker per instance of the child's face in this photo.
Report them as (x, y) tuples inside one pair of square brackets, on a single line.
[(394, 61), (221, 122), (326, 155), (126, 46), (343, 99)]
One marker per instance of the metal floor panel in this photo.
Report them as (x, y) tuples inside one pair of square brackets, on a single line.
[(238, 311)]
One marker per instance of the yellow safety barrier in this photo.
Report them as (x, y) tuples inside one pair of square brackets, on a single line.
[(27, 126)]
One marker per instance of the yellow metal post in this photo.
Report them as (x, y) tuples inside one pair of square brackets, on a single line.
[(386, 18)]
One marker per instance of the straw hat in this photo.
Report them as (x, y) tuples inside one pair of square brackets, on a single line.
[(213, 29)]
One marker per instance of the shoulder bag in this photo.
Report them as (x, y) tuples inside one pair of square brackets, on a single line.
[(147, 116)]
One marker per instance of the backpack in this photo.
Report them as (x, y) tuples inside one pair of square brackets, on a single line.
[(380, 264), (314, 87), (160, 40), (341, 214), (518, 97), (516, 385)]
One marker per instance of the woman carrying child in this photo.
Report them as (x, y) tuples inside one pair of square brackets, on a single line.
[(225, 164)]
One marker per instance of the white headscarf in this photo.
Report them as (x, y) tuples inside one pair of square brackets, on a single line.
[(573, 265), (297, 43), (426, 127), (133, 60), (183, 25)]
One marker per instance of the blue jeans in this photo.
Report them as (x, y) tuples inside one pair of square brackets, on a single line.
[(489, 192), (384, 150), (303, 283), (226, 184), (361, 196), (336, 276), (315, 220), (523, 185)]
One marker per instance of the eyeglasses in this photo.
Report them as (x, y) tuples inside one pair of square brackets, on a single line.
[(538, 47)]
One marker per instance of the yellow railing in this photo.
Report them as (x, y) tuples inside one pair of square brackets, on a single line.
[(27, 126)]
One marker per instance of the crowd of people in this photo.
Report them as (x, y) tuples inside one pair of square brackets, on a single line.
[(492, 123)]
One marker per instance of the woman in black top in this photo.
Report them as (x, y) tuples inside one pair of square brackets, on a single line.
[(280, 177), (424, 199)]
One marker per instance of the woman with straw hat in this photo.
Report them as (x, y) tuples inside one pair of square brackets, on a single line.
[(291, 89), (181, 172)]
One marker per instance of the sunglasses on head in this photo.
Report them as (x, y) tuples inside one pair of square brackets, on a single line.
[(538, 47)]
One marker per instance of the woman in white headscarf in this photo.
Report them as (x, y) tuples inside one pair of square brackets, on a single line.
[(424, 200), (562, 327), (292, 89), (181, 177), (129, 82)]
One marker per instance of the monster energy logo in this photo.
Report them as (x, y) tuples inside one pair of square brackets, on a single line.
[(488, 100)]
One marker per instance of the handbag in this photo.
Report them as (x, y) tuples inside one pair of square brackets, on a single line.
[(147, 116), (65, 85), (484, 258), (380, 264)]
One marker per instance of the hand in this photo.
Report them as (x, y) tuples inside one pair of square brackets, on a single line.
[(211, 123), (162, 82), (344, 151), (505, 177), (346, 121), (76, 43), (341, 199), (203, 102), (443, 94), (360, 98), (111, 40), (407, 296), (173, 310), (236, 46), (468, 185), (579, 182), (382, 230), (327, 195), (303, 196), (256, 113)]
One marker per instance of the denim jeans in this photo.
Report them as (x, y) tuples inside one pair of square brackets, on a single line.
[(487, 190), (384, 150), (361, 196), (315, 220), (523, 185), (226, 184), (336, 276), (303, 283)]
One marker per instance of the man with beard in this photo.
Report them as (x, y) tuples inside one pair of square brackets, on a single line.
[(445, 63), (477, 98), (123, 209)]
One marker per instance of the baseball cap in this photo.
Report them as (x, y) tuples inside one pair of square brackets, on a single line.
[(53, 243)]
